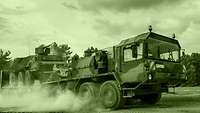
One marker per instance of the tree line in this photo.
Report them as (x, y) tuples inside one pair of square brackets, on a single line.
[(192, 65)]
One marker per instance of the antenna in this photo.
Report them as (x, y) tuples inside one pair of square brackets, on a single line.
[(173, 35), (150, 28)]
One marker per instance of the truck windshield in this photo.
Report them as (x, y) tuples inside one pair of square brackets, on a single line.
[(158, 49)]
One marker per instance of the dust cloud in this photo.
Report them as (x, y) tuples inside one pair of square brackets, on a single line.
[(37, 98)]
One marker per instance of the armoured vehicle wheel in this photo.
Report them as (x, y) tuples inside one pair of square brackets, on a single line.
[(88, 90), (12, 79), (27, 78), (110, 95), (151, 99), (20, 79)]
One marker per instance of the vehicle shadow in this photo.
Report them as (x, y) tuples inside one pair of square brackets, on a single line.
[(169, 101)]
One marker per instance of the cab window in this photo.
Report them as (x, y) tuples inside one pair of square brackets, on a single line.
[(128, 55), (133, 52), (158, 49)]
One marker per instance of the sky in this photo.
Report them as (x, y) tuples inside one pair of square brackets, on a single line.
[(26, 24)]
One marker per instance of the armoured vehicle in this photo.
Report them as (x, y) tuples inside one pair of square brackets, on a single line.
[(141, 67), (25, 70)]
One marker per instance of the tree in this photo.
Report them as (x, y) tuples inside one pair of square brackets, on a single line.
[(4, 59), (192, 64)]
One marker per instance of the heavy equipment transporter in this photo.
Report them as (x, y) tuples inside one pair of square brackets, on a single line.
[(141, 67)]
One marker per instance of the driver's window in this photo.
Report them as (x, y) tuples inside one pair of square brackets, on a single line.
[(133, 53), (128, 54)]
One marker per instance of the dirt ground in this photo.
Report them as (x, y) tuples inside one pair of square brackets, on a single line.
[(185, 100)]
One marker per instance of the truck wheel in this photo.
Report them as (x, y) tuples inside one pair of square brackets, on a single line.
[(151, 99), (28, 78), (88, 90), (111, 95)]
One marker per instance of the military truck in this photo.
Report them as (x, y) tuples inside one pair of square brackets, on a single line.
[(141, 67)]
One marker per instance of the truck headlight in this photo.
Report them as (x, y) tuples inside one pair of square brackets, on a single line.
[(150, 77)]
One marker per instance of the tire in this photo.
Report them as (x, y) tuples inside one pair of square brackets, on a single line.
[(27, 77), (111, 96), (88, 90), (20, 79), (12, 79), (151, 99)]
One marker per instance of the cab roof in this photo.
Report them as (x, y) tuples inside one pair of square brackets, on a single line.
[(148, 35)]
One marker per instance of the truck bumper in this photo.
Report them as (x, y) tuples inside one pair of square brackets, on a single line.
[(168, 77), (144, 89)]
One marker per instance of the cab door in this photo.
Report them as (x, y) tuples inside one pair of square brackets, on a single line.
[(129, 57), (132, 63)]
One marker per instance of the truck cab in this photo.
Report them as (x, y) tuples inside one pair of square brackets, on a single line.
[(148, 65), (142, 67), (149, 54)]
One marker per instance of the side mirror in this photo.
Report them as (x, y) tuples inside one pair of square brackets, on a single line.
[(134, 51), (183, 52)]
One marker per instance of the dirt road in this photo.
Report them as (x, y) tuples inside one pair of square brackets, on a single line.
[(185, 100)]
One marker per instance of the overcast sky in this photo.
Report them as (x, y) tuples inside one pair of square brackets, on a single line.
[(25, 24)]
